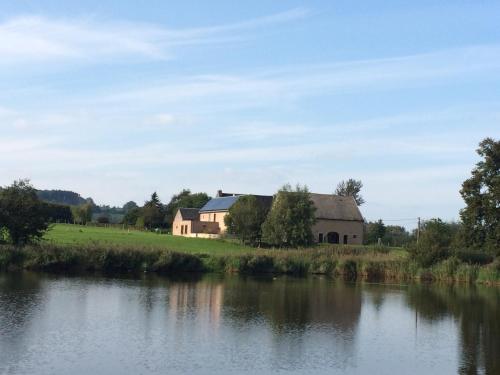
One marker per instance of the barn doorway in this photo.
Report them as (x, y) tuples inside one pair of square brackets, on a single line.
[(332, 237), (345, 239)]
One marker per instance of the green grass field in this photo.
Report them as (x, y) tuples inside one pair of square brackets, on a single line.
[(67, 234)]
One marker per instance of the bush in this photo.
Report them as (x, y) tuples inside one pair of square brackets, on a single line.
[(177, 262), (347, 269), (474, 257), (434, 243)]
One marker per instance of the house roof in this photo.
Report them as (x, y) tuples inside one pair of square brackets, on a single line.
[(189, 213), (219, 204), (335, 207), (225, 201)]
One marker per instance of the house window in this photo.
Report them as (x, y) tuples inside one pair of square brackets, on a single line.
[(214, 216), (354, 236), (186, 229), (320, 238), (182, 229)]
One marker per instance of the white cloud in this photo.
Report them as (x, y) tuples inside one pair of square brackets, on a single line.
[(30, 39), (283, 87)]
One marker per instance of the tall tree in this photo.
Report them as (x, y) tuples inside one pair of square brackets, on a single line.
[(351, 188), (153, 212), (290, 220), (184, 199), (129, 206), (22, 215), (245, 219), (481, 193), (434, 243), (82, 214), (374, 231)]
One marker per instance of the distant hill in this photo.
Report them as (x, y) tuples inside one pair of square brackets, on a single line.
[(65, 197)]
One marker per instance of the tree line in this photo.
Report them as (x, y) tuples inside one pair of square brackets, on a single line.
[(288, 222)]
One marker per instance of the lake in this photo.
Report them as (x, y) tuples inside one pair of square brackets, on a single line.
[(215, 324)]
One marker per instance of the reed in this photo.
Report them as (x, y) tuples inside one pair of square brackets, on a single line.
[(351, 263)]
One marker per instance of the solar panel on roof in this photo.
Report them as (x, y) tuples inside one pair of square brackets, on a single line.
[(219, 204)]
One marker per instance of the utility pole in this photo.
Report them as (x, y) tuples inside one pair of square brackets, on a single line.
[(418, 229)]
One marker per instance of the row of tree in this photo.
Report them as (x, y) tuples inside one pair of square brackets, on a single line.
[(288, 222), (156, 215)]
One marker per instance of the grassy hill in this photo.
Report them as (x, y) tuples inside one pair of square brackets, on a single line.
[(67, 234)]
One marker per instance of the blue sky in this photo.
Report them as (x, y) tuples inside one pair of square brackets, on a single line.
[(117, 99)]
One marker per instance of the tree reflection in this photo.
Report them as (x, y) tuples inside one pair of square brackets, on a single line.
[(20, 295), (477, 310)]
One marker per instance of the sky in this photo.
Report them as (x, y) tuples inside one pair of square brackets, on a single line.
[(117, 99)]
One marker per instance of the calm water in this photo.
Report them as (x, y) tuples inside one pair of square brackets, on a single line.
[(214, 325)]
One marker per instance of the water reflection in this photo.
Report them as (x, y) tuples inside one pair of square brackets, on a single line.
[(214, 323), (477, 311)]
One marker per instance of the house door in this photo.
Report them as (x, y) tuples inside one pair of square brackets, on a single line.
[(345, 239), (332, 237)]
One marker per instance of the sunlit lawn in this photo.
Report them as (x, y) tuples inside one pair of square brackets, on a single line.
[(77, 234), (67, 234)]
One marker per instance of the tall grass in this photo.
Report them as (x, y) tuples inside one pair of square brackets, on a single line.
[(351, 263)]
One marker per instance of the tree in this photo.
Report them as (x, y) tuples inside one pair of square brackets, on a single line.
[(434, 242), (131, 216), (58, 213), (290, 220), (82, 214), (245, 219), (184, 199), (22, 215), (129, 206), (481, 193), (153, 213), (351, 188), (396, 235), (374, 231)]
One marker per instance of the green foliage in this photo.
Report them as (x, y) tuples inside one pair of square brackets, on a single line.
[(245, 219), (481, 193), (290, 220), (177, 262), (22, 215), (131, 205), (153, 213), (131, 216), (351, 188), (82, 214), (103, 219), (374, 231), (58, 213), (396, 235), (434, 243), (185, 199), (61, 197)]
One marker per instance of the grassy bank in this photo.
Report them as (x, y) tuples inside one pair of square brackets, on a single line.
[(80, 235), (347, 262)]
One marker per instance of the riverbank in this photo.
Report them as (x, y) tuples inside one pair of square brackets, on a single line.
[(347, 262)]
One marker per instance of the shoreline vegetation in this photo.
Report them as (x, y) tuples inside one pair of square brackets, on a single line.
[(179, 255)]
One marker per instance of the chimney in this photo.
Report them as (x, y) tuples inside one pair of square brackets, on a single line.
[(219, 193)]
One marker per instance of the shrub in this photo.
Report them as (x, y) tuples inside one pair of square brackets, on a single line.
[(347, 269), (474, 257), (177, 262), (256, 264), (434, 243)]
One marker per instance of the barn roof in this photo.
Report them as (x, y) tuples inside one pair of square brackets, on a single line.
[(189, 213), (335, 207)]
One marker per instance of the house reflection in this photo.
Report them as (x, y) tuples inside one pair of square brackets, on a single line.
[(203, 298)]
